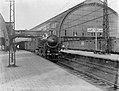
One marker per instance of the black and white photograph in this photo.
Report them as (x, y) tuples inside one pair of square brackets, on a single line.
[(59, 45)]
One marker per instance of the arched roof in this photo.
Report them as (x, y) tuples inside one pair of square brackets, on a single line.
[(84, 4), (61, 17)]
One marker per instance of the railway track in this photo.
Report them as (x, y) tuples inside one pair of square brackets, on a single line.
[(97, 74)]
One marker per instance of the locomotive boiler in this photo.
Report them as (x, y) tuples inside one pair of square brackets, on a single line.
[(49, 47)]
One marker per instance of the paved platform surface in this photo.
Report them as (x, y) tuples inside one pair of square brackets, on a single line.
[(37, 74)]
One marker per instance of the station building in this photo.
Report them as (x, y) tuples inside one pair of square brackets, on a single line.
[(79, 26)]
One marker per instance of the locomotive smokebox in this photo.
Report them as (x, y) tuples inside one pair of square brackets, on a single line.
[(52, 41)]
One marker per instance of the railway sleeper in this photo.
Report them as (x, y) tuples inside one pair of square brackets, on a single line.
[(98, 74), (104, 69)]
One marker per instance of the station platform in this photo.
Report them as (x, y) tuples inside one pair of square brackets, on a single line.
[(34, 73), (114, 57)]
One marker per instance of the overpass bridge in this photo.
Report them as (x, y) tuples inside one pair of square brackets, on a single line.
[(24, 34), (27, 34), (11, 44)]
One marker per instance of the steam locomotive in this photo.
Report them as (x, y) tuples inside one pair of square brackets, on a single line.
[(46, 47)]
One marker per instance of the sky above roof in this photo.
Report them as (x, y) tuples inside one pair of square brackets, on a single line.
[(30, 13)]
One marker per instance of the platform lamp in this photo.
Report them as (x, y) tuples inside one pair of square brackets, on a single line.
[(12, 58)]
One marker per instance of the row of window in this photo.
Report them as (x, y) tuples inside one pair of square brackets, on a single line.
[(69, 39), (47, 26), (93, 34), (76, 39)]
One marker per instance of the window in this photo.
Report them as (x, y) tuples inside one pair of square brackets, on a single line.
[(92, 34), (100, 34), (65, 32), (82, 34), (74, 33)]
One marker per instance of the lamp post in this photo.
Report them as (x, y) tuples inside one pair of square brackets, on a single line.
[(12, 59)]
